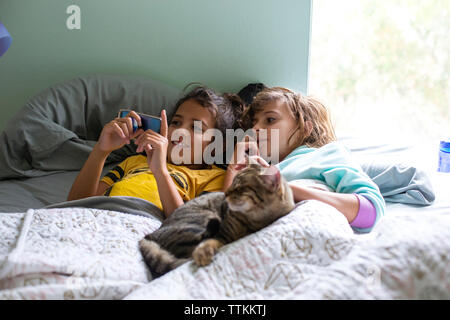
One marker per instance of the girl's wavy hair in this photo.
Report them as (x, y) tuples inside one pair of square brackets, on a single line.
[(303, 108), (226, 108)]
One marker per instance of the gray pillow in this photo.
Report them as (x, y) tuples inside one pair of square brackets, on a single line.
[(56, 129)]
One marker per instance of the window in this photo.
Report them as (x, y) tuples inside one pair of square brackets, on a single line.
[(383, 67)]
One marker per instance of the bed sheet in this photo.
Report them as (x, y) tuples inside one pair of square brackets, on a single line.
[(19, 195), (422, 156)]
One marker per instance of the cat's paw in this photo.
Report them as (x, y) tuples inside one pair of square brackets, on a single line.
[(204, 252)]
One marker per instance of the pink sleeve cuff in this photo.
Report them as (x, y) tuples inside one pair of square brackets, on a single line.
[(366, 214)]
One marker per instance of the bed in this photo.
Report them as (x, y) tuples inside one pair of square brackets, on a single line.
[(53, 249)]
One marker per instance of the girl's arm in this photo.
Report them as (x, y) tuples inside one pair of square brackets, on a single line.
[(87, 183), (345, 177), (114, 135), (229, 176), (155, 146), (168, 193), (347, 204)]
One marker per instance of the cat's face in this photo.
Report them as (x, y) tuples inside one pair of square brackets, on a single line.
[(259, 193)]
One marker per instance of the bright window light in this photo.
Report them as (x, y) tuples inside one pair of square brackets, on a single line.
[(383, 67)]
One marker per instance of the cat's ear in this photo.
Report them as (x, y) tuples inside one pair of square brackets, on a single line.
[(271, 177)]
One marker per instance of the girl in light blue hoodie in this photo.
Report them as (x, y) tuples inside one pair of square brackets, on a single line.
[(315, 165)]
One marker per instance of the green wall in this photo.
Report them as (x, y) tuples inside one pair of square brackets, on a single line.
[(222, 43)]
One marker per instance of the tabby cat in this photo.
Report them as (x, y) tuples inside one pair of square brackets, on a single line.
[(257, 197)]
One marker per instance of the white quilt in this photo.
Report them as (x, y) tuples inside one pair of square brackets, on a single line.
[(312, 253), (71, 253)]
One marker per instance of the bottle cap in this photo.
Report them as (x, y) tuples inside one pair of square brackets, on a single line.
[(445, 145)]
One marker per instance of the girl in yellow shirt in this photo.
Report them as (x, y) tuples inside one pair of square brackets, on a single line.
[(154, 176)]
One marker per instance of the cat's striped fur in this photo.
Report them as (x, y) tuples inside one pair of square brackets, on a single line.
[(257, 197)]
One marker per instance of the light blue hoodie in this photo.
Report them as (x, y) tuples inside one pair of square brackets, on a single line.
[(333, 165)]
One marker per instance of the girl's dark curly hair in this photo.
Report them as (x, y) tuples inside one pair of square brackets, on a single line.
[(226, 108)]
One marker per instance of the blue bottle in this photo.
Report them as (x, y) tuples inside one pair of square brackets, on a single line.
[(444, 156)]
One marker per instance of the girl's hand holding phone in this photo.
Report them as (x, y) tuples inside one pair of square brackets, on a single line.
[(155, 146), (118, 132)]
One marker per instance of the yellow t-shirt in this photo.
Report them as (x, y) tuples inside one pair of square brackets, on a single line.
[(133, 178)]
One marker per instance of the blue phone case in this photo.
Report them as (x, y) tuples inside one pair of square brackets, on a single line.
[(148, 122)]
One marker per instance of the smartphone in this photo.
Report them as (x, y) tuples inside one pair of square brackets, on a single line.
[(148, 122)]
